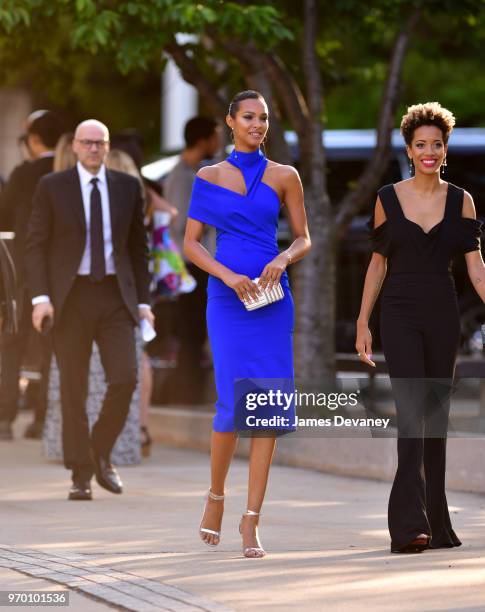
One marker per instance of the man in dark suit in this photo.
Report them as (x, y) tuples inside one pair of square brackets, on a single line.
[(43, 131), (87, 265)]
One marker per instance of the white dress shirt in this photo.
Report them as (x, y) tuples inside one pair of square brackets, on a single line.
[(84, 269), (85, 178)]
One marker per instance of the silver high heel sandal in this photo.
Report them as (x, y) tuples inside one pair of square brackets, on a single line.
[(252, 552), (203, 530)]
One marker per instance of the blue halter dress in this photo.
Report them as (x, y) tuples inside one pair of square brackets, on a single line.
[(245, 344)]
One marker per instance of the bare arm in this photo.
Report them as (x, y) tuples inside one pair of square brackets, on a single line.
[(293, 198), (474, 260), (200, 256), (157, 202), (374, 278)]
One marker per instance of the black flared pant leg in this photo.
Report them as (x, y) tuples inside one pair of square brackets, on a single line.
[(416, 350), (441, 345)]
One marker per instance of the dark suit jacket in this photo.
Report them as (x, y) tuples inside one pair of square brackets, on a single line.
[(8, 312), (16, 205), (57, 237)]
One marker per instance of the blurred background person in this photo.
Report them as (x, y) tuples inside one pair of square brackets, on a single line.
[(202, 142), (123, 162), (43, 130), (8, 306), (64, 157), (169, 275)]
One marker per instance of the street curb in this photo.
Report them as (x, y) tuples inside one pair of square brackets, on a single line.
[(362, 457)]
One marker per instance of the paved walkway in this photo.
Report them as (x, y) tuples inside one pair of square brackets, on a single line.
[(326, 536)]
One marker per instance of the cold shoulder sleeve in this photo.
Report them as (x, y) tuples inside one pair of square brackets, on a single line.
[(470, 232), (201, 206), (379, 237)]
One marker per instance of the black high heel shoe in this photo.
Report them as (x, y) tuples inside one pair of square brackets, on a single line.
[(420, 543)]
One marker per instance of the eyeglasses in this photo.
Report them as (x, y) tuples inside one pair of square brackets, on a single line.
[(87, 144)]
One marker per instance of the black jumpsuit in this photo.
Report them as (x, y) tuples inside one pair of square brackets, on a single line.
[(420, 331)]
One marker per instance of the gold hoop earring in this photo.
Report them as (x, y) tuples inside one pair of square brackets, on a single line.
[(263, 147)]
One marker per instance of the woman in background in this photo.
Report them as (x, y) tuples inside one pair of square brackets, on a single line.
[(169, 273), (64, 157)]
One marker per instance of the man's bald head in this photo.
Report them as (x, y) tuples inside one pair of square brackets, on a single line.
[(91, 144), (90, 125)]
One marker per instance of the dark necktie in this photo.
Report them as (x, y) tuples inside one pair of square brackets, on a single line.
[(98, 267)]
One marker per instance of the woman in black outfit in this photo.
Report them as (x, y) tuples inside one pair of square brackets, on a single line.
[(418, 226)]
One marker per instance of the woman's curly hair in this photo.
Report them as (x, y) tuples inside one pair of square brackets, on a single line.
[(430, 113)]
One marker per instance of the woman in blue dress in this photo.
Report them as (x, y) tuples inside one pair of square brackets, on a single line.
[(242, 197)]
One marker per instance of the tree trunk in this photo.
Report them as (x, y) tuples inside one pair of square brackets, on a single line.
[(315, 275), (314, 286), (369, 180)]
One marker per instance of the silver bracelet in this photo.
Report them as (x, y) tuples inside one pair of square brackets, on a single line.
[(288, 255)]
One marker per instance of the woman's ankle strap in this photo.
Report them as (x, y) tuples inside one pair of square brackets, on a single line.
[(251, 513), (215, 497)]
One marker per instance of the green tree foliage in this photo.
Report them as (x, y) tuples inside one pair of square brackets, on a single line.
[(319, 63), (87, 55), (105, 57)]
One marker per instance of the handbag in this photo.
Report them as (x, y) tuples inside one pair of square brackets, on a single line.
[(266, 296)]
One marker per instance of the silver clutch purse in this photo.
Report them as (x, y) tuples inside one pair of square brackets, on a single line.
[(267, 296)]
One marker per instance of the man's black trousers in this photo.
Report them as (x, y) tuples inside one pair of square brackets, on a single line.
[(94, 312)]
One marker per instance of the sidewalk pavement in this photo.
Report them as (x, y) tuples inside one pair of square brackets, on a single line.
[(326, 537)]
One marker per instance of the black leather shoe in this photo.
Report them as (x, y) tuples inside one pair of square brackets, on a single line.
[(80, 490), (106, 475), (6, 430)]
